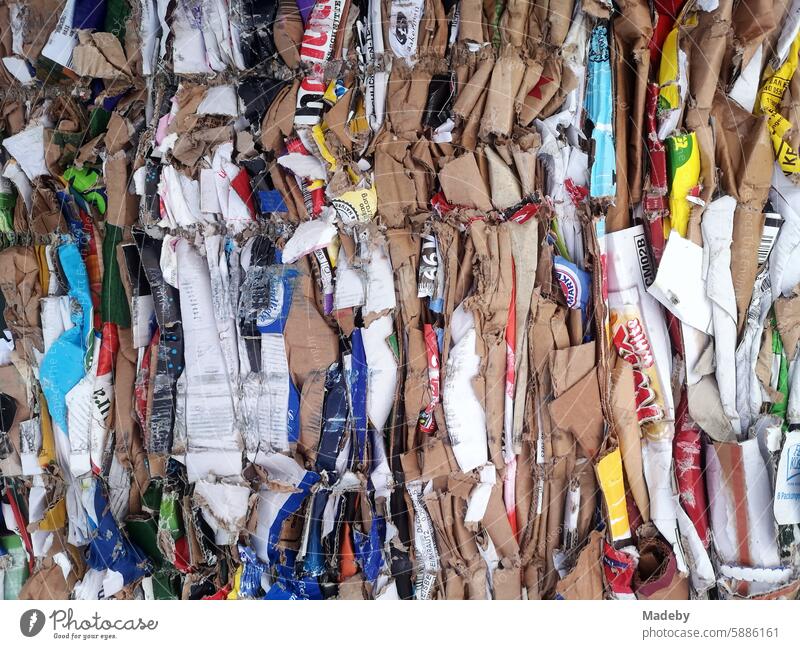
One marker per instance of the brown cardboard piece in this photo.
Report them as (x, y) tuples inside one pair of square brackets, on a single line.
[(745, 158), (42, 18), (19, 282), (396, 190), (406, 94), (13, 384), (463, 184), (100, 55), (570, 365), (538, 88), (628, 432), (288, 32), (578, 411), (585, 580), (278, 122), (505, 187), (513, 23), (45, 216), (470, 92), (48, 582), (129, 445), (507, 74), (123, 207), (632, 31), (705, 43), (787, 313), (471, 26), (311, 344), (657, 576)]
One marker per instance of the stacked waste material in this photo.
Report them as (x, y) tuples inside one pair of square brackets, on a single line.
[(400, 299)]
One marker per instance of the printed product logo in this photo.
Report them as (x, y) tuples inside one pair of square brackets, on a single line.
[(570, 285), (64, 624), (680, 149), (346, 211), (275, 307), (31, 622), (793, 465), (632, 344), (401, 28)]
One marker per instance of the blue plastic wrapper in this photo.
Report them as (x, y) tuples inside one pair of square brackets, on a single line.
[(252, 571), (272, 201), (600, 113), (64, 364), (109, 549), (357, 383), (369, 548)]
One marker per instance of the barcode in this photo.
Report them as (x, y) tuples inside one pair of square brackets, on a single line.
[(772, 225)]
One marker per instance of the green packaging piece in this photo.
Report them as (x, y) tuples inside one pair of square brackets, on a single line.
[(8, 201), (166, 584), (16, 574), (143, 531), (782, 386), (117, 12), (114, 303), (169, 515), (151, 498), (98, 122)]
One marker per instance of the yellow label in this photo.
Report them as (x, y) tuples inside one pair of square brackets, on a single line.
[(769, 102), (330, 93), (55, 518), (47, 453), (683, 158), (44, 269), (609, 475), (358, 122), (237, 583), (668, 73), (319, 138), (333, 251), (356, 205)]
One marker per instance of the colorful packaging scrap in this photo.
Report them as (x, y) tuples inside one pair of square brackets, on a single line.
[(400, 299)]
